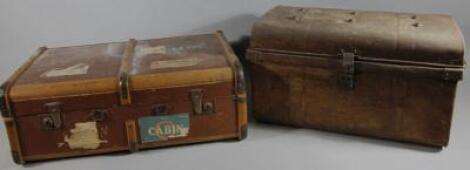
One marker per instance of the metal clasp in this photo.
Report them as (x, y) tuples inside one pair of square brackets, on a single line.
[(53, 119), (347, 75), (199, 106)]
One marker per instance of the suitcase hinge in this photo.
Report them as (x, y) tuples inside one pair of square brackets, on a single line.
[(347, 75), (53, 119)]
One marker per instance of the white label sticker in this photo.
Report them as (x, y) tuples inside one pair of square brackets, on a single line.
[(175, 63), (170, 49), (152, 50), (77, 69)]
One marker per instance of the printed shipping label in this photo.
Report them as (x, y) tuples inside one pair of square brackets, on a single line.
[(160, 128)]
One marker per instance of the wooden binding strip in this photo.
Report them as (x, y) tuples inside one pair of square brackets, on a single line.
[(7, 113), (124, 89), (131, 132), (239, 84)]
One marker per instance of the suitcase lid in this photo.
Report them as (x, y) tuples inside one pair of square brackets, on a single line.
[(379, 36), (179, 61), (68, 71), (100, 68)]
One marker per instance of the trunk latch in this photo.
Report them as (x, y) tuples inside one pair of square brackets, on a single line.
[(53, 119), (200, 106), (347, 75)]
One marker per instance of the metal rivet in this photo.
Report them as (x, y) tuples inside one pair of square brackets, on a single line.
[(447, 76)]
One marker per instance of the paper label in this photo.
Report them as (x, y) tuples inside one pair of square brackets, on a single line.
[(152, 50), (77, 69), (165, 127), (170, 49), (175, 63), (83, 136)]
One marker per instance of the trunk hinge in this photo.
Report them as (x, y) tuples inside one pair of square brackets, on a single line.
[(347, 75)]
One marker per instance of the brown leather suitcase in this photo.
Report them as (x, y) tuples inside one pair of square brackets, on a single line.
[(91, 99), (382, 74)]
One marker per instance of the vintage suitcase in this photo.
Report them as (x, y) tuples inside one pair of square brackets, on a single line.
[(91, 99), (381, 74)]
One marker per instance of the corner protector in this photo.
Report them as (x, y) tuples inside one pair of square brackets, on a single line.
[(16, 158), (243, 132), (3, 105)]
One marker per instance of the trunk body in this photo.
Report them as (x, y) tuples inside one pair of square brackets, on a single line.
[(379, 74), (82, 100)]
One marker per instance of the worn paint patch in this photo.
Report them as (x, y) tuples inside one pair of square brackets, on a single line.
[(160, 128), (186, 62), (77, 69), (84, 136)]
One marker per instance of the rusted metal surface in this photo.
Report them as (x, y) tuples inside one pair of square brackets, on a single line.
[(382, 74)]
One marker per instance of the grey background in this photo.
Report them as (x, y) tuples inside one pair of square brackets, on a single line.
[(28, 24)]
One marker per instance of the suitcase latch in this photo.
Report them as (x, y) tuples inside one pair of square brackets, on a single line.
[(347, 75), (200, 106), (53, 119)]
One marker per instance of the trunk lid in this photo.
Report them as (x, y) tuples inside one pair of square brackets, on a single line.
[(404, 38)]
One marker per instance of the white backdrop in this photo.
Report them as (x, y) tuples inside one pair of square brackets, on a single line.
[(28, 24)]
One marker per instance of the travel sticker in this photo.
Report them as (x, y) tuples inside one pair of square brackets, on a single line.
[(77, 69), (83, 136), (169, 49), (161, 128)]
